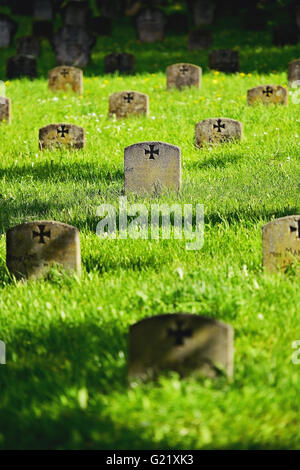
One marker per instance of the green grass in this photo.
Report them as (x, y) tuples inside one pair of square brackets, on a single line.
[(64, 384)]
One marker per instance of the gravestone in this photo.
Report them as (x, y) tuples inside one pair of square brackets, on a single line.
[(72, 46), (66, 78), (294, 71), (183, 75), (8, 28), (180, 342), (224, 60), (121, 62), (43, 10), (125, 103), (267, 94), (33, 248), (217, 130), (5, 109), (100, 26), (199, 40), (21, 66), (152, 167), (42, 29), (177, 23), (151, 25), (203, 12), (61, 135), (281, 243), (76, 14), (285, 34), (29, 46)]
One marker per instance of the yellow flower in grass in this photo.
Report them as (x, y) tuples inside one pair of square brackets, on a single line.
[(242, 74), (105, 82), (215, 81), (216, 72), (249, 74)]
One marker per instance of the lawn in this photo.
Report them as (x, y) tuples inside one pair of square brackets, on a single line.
[(64, 385)]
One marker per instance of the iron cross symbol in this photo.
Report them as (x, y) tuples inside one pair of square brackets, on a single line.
[(219, 125), (128, 97), (296, 229), (152, 152), (180, 333), (41, 233), (64, 72), (63, 131), (183, 69), (268, 91)]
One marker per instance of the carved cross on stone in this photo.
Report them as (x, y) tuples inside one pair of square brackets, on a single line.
[(64, 72), (296, 229), (63, 130), (180, 333), (128, 97), (42, 234), (219, 125), (268, 91), (184, 69), (151, 152)]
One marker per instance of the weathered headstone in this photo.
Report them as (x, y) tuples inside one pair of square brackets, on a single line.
[(198, 40), (121, 62), (42, 29), (151, 25), (267, 94), (100, 26), (8, 28), (5, 109), (285, 34), (152, 167), (34, 247), (43, 10), (177, 23), (72, 46), (183, 75), (61, 135), (294, 71), (125, 103), (224, 60), (21, 66), (203, 12), (183, 343), (76, 14), (281, 243), (29, 46), (66, 78), (217, 130)]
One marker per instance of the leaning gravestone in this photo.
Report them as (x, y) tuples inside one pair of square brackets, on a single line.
[(267, 94), (180, 342), (151, 25), (281, 243), (217, 130), (125, 103), (29, 46), (294, 72), (203, 12), (21, 66), (198, 40), (183, 75), (66, 78), (5, 109), (61, 135), (76, 14), (8, 28), (224, 60), (121, 62), (152, 167), (32, 248), (43, 10)]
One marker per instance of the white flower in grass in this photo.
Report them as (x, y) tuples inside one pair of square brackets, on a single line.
[(179, 271), (260, 316), (55, 98)]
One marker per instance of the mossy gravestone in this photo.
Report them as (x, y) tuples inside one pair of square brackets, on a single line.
[(183, 75), (28, 46), (125, 103), (180, 342), (267, 94), (281, 243), (61, 135), (66, 78), (217, 130), (34, 247), (151, 167), (5, 109), (224, 60)]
